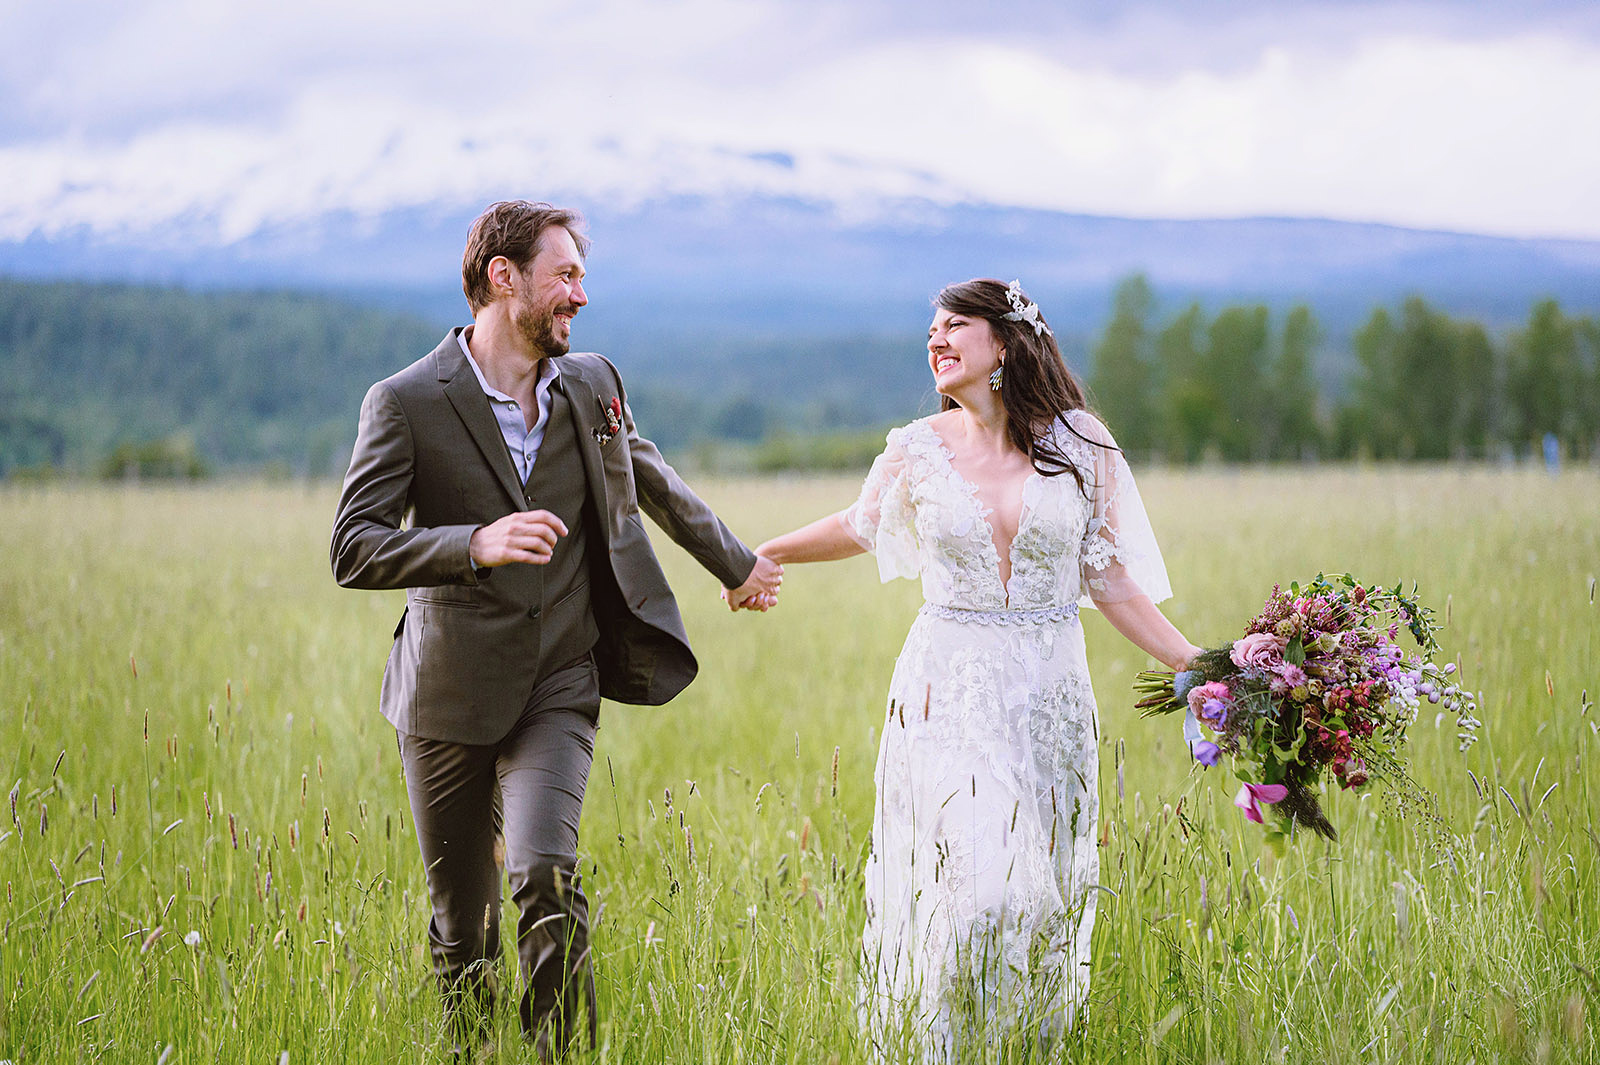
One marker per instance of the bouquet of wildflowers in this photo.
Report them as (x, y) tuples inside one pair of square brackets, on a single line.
[(1318, 681)]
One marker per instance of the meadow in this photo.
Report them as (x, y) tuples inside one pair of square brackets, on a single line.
[(207, 855)]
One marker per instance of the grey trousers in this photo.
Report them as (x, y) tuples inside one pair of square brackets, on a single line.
[(528, 787)]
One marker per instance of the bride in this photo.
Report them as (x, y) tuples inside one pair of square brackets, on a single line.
[(1013, 505)]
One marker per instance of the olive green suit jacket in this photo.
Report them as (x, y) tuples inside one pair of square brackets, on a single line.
[(430, 467)]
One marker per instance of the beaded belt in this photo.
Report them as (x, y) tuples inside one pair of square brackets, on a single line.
[(1037, 616)]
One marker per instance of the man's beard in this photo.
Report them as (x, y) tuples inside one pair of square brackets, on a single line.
[(538, 328)]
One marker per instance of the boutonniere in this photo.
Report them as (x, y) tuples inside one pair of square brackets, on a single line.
[(613, 413)]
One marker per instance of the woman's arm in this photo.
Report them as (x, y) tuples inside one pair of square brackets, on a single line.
[(1147, 628), (824, 540)]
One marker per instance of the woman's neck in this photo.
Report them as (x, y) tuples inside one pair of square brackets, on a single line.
[(983, 423)]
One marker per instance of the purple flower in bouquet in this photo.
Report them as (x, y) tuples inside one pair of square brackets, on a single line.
[(1207, 753), (1259, 650), (1210, 703), (1252, 795)]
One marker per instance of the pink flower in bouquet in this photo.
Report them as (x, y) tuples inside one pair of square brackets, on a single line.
[(1292, 674), (1259, 650), (1352, 773), (1210, 703), (1252, 795)]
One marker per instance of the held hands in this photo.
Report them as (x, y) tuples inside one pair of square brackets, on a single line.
[(523, 536), (760, 589)]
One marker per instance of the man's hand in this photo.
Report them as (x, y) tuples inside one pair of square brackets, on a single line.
[(524, 536), (760, 589)]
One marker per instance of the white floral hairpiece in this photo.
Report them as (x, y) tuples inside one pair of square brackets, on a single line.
[(1022, 310)]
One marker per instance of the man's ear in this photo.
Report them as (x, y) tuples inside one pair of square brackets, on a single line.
[(500, 276)]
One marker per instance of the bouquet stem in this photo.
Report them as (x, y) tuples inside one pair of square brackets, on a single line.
[(1300, 807)]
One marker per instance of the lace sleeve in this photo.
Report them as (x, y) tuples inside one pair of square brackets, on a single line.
[(1119, 557), (883, 520)]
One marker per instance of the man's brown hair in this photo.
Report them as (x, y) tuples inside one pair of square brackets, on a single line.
[(510, 228)]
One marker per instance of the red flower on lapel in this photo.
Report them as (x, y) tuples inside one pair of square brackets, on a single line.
[(613, 413)]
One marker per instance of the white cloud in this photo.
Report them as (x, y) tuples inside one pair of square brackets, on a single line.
[(212, 121)]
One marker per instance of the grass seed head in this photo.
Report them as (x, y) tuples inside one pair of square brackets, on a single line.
[(1572, 1022)]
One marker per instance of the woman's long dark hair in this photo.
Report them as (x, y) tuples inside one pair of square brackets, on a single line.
[(1036, 389)]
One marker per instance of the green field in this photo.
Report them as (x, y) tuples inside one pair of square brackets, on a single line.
[(207, 847)]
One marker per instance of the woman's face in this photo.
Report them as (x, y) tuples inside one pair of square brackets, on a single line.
[(962, 351)]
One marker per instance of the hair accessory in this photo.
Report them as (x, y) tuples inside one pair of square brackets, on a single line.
[(996, 377), (1022, 310)]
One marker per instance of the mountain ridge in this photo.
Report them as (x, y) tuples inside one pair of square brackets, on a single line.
[(752, 263)]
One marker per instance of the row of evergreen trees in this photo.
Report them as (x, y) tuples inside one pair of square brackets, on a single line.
[(1425, 385)]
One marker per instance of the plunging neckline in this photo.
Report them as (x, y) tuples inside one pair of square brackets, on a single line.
[(1002, 566)]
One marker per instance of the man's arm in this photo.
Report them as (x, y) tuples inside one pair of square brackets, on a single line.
[(369, 548), (673, 505)]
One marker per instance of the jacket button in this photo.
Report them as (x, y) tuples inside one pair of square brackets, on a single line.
[(533, 612)]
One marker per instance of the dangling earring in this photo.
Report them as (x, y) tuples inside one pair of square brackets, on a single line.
[(994, 378)]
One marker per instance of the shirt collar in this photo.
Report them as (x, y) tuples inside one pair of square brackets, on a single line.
[(547, 375)]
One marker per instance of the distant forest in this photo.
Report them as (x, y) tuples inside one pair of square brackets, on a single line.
[(1239, 387), (112, 380), (96, 377)]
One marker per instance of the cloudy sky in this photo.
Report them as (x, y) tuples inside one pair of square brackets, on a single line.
[(215, 118)]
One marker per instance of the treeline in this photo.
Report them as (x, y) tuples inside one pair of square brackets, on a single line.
[(1242, 387), (116, 380), (120, 380), (163, 382)]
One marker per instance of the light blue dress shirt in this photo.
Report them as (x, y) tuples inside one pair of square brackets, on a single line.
[(521, 441)]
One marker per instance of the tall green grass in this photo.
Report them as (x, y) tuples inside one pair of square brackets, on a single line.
[(207, 856)]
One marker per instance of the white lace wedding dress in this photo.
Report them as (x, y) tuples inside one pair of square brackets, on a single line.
[(981, 879)]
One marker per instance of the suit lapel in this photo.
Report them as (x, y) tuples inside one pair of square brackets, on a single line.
[(585, 407), (472, 407)]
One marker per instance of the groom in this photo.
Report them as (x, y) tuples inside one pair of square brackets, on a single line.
[(499, 481)]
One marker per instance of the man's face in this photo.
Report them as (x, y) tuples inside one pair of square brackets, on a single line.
[(549, 291)]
